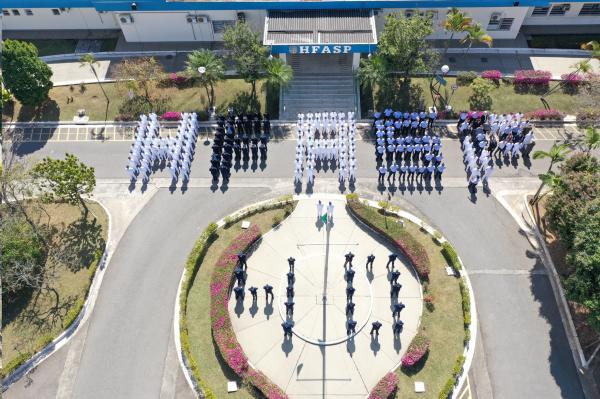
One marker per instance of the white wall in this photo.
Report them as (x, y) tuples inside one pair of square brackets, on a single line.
[(571, 17), (74, 18)]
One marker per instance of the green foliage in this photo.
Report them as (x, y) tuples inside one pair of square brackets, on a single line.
[(352, 197), (214, 70), (25, 74), (279, 74), (141, 76), (465, 78), (11, 366), (451, 256), (22, 257), (458, 366), (136, 106), (7, 96), (583, 285), (481, 98), (448, 388), (580, 162), (276, 220), (65, 179), (466, 303)]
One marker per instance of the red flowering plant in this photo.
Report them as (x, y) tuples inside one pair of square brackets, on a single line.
[(493, 75), (222, 329), (171, 116), (178, 79), (386, 387), (545, 115), (572, 79), (532, 77), (416, 350)]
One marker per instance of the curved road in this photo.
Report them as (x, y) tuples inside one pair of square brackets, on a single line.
[(126, 349)]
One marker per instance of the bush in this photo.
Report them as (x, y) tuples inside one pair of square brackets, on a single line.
[(276, 220), (178, 80), (580, 162), (386, 387), (532, 77), (465, 78), (9, 367), (493, 75), (572, 79), (588, 117), (545, 115), (429, 302), (416, 350), (138, 105), (451, 257), (124, 118), (171, 116), (448, 388), (481, 99), (458, 366), (406, 243), (466, 303)]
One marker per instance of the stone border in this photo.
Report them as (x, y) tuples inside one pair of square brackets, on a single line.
[(88, 306), (236, 216), (469, 350)]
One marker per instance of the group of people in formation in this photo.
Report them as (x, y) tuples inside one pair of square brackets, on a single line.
[(406, 145), (326, 138), (488, 137), (149, 150), (239, 137)]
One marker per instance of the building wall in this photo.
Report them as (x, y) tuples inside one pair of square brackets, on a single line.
[(70, 18), (571, 17)]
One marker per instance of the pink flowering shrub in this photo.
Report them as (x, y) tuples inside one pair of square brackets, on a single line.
[(223, 334), (545, 115), (171, 116), (386, 387), (572, 79), (178, 79), (416, 350), (493, 75), (532, 77)]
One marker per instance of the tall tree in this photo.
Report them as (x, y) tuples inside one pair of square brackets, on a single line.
[(213, 67), (246, 51), (476, 34), (557, 153), (141, 76), (25, 74), (373, 72), (90, 61), (278, 73), (66, 179)]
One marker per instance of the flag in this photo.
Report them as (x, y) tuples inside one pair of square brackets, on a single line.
[(324, 219)]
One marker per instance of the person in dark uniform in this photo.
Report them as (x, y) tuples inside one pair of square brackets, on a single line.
[(214, 171), (239, 276), (254, 149), (349, 276), (395, 290), (391, 259), (287, 328), (267, 124), (290, 278), (289, 308), (349, 293), (254, 292), (397, 308), (395, 275), (291, 263), (370, 260), (237, 148), (398, 326), (289, 290), (239, 293), (268, 292), (349, 256), (351, 327), (242, 258), (350, 308), (263, 150), (375, 326)]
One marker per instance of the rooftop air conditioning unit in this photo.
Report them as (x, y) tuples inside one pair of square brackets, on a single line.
[(190, 19), (125, 18), (241, 16), (202, 19)]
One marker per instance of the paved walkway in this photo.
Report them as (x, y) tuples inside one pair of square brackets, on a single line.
[(321, 360)]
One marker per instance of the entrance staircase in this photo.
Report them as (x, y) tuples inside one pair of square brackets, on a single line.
[(321, 83)]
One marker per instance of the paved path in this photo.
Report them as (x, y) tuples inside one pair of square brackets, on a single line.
[(321, 359), (127, 350)]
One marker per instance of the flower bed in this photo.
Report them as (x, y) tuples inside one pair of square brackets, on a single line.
[(572, 79), (171, 116), (532, 77), (545, 115), (410, 248), (223, 334), (416, 350), (385, 388), (493, 75)]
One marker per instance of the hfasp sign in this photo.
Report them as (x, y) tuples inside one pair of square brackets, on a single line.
[(321, 49)]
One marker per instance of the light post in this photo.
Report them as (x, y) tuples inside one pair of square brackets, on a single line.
[(437, 85)]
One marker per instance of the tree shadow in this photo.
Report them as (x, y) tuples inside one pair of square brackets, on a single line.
[(78, 245)]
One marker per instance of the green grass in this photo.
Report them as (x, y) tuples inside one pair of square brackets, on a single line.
[(505, 99), (32, 321), (90, 98), (215, 373)]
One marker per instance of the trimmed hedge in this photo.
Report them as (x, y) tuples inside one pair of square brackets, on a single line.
[(451, 257), (386, 387), (466, 303), (408, 245), (417, 349)]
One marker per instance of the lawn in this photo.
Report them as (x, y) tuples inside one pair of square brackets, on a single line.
[(505, 99), (76, 245), (90, 98), (444, 325), (215, 373)]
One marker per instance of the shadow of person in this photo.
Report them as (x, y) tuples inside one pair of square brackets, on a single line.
[(263, 163), (145, 186), (287, 345), (239, 307), (473, 196), (268, 309), (214, 185), (237, 165), (225, 185), (319, 224), (298, 187), (351, 346), (527, 162), (375, 345), (184, 186), (397, 343), (131, 186), (370, 275), (352, 186), (342, 186), (253, 309)]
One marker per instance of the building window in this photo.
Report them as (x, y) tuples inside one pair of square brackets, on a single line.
[(55, 11), (16, 13), (506, 23), (221, 26), (6, 13), (559, 9), (590, 9), (498, 23), (540, 11), (28, 12)]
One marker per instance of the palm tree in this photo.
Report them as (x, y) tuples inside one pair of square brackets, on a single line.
[(556, 154), (456, 22), (591, 141), (476, 34), (278, 73), (209, 67), (373, 72), (594, 47), (90, 61)]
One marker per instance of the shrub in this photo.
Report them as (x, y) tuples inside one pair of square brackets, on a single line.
[(466, 303), (458, 366), (139, 105), (276, 220), (588, 117), (580, 162), (406, 243), (465, 78), (545, 115), (493, 75), (448, 388), (73, 312), (572, 79), (178, 80), (416, 350), (385, 388), (481, 99), (9, 367), (429, 302), (124, 118), (451, 257), (171, 116), (532, 77)]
